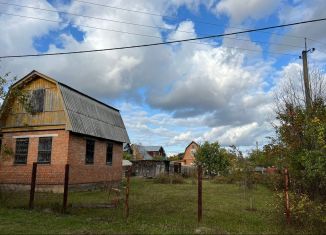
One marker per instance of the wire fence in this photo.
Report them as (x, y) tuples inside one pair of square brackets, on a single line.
[(63, 187), (67, 187)]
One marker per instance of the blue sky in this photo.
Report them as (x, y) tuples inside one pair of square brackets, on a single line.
[(217, 90)]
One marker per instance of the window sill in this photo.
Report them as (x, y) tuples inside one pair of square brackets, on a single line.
[(89, 164), (43, 163), (20, 164), (109, 163)]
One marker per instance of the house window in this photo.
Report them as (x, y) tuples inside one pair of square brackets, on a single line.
[(90, 144), (37, 101), (21, 150), (109, 153), (44, 150)]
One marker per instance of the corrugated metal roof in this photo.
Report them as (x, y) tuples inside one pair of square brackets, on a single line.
[(91, 117), (143, 151), (153, 148)]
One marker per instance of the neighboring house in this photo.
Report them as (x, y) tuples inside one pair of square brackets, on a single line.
[(150, 168), (66, 126), (141, 152), (189, 155), (127, 148), (260, 169), (268, 170), (271, 170)]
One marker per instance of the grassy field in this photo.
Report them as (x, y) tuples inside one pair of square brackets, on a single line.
[(157, 209)]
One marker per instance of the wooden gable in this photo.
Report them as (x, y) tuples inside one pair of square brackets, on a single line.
[(48, 104)]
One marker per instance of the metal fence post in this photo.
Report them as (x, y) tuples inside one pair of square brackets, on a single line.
[(65, 189), (127, 192), (287, 203), (33, 184), (200, 201)]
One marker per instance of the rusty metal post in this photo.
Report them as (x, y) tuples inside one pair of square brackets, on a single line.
[(127, 192), (65, 189), (287, 204), (200, 191), (33, 184)]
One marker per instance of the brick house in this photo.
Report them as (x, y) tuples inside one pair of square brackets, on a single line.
[(189, 155), (64, 126)]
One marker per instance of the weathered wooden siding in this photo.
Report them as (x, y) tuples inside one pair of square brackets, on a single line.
[(53, 108)]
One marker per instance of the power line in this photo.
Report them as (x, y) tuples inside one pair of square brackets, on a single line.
[(86, 26), (90, 17), (143, 35), (130, 23), (167, 42), (319, 42), (173, 17)]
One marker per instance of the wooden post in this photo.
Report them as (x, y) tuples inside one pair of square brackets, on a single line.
[(200, 201), (33, 184), (65, 190), (287, 204), (127, 191)]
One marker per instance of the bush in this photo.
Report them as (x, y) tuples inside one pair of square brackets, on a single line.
[(303, 211), (169, 179), (222, 180), (272, 181)]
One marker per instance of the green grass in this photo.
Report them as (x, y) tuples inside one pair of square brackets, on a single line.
[(154, 209)]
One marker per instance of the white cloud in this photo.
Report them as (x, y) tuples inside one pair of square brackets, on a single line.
[(242, 10), (170, 94)]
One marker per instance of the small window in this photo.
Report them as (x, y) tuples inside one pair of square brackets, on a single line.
[(44, 150), (90, 144), (37, 101), (21, 150), (109, 153)]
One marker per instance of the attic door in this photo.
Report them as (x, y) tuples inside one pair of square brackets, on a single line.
[(37, 101)]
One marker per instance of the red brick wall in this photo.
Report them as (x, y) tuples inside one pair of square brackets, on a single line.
[(99, 171), (53, 173), (66, 148), (188, 157)]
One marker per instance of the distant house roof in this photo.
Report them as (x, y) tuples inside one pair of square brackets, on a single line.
[(87, 115), (126, 163), (191, 143), (152, 148), (126, 146), (260, 169), (142, 150)]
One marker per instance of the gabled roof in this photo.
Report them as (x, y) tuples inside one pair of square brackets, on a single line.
[(91, 117), (153, 148), (191, 143), (87, 115), (142, 150)]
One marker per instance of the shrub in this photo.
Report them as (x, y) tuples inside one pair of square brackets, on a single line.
[(272, 181), (222, 180), (169, 179), (303, 211)]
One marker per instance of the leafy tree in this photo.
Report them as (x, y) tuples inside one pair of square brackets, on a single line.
[(127, 156), (7, 95), (213, 158), (301, 135), (176, 157)]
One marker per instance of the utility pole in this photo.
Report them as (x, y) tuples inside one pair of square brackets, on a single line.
[(306, 75)]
